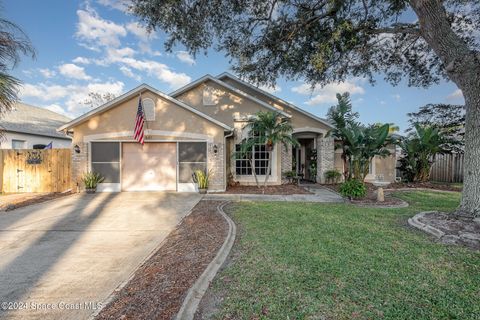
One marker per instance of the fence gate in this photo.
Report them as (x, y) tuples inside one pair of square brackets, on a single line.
[(30, 170)]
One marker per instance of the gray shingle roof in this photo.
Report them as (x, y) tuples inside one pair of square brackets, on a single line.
[(33, 120)]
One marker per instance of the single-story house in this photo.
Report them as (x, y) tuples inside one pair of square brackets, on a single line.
[(28, 127), (198, 126)]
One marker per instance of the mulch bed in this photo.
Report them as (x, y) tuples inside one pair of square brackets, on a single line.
[(371, 198), (458, 230), (284, 189), (15, 201), (425, 185), (159, 286)]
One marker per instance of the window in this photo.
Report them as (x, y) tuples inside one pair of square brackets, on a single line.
[(259, 155), (191, 156), (149, 109), (209, 96), (18, 144), (106, 160)]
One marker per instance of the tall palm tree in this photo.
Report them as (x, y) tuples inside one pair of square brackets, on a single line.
[(268, 129), (13, 43), (343, 118)]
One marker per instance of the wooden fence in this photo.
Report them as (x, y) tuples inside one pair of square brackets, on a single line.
[(448, 168), (31, 170)]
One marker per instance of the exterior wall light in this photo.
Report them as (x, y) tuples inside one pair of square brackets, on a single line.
[(76, 148), (215, 149)]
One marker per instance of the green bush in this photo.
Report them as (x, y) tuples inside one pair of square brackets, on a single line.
[(332, 176), (92, 179), (202, 178), (353, 189)]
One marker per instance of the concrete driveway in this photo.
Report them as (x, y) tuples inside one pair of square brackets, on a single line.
[(62, 259)]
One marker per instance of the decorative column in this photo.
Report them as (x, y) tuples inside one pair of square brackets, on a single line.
[(325, 157), (286, 161), (216, 164)]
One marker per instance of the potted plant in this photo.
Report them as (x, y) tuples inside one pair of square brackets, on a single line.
[(91, 180), (201, 178)]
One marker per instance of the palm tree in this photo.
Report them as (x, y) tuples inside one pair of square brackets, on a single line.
[(343, 118), (363, 143), (268, 129), (13, 43), (419, 151)]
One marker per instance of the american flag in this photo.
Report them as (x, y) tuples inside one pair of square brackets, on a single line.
[(138, 133)]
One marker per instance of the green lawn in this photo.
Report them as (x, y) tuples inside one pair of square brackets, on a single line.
[(318, 261)]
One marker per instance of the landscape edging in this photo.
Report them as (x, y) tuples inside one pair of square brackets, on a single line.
[(197, 291), (415, 222)]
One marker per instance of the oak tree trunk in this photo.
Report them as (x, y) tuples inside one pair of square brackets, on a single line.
[(463, 68)]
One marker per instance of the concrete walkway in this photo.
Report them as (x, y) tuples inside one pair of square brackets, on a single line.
[(320, 194), (62, 259)]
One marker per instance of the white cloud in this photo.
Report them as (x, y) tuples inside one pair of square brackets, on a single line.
[(47, 73), (140, 31), (73, 71), (121, 5), (129, 73), (185, 57), (271, 90), (82, 60), (396, 97), (455, 95), (327, 94), (71, 95), (43, 92), (96, 31)]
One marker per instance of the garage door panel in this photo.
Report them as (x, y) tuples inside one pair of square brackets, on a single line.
[(150, 167)]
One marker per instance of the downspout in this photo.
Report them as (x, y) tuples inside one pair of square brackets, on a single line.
[(228, 135)]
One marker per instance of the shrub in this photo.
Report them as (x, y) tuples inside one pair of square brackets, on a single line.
[(353, 189), (92, 179), (202, 178), (332, 176)]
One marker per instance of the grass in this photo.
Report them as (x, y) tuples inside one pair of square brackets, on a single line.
[(319, 261)]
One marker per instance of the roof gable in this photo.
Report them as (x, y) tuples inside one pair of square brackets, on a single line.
[(128, 95), (229, 87), (273, 97)]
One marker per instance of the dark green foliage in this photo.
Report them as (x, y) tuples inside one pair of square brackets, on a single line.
[(448, 118), (332, 176), (359, 143), (419, 150), (321, 41), (353, 189), (13, 43)]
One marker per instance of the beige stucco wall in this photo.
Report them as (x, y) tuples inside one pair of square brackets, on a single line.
[(299, 120), (385, 167), (172, 123), (168, 117)]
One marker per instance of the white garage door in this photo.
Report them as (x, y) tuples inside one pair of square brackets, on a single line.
[(151, 167)]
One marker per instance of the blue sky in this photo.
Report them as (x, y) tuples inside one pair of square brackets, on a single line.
[(93, 46)]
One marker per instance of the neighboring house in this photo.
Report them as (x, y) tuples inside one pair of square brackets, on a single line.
[(27, 127), (198, 126)]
